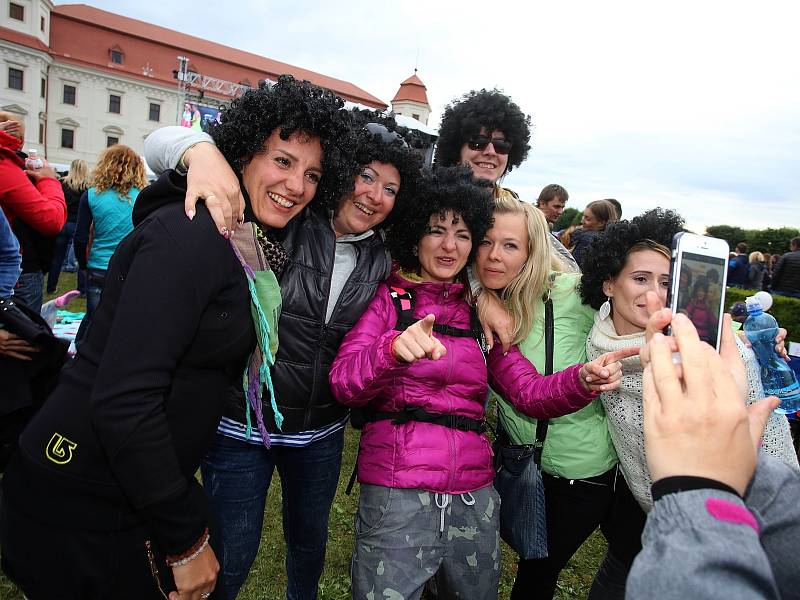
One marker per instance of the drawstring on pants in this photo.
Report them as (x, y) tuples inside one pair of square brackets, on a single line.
[(443, 501)]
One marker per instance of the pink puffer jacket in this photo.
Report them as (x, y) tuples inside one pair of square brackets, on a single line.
[(426, 455)]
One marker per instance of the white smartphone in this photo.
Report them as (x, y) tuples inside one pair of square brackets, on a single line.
[(698, 274)]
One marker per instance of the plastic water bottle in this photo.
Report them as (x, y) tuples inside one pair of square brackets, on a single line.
[(49, 310), (776, 376), (33, 162)]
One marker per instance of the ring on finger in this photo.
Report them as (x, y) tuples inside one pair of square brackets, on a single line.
[(205, 594)]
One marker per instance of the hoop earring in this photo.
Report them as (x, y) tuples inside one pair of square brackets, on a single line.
[(605, 309)]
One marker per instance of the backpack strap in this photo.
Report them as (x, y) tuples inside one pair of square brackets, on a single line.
[(403, 301), (542, 424), (404, 304)]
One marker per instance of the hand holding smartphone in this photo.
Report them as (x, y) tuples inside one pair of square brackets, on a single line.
[(698, 274)]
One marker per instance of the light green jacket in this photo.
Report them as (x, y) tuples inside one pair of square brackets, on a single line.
[(577, 445)]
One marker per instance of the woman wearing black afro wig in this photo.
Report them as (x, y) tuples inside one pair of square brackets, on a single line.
[(441, 190), (186, 329), (335, 259), (624, 263)]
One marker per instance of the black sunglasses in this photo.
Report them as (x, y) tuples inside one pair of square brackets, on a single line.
[(387, 136), (479, 142)]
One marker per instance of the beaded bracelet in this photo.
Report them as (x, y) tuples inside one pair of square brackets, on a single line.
[(200, 545)]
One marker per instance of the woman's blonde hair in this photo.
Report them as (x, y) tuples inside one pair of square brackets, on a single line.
[(756, 256), (119, 168), (78, 176), (533, 280)]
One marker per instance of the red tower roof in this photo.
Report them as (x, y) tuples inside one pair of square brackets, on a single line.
[(412, 89)]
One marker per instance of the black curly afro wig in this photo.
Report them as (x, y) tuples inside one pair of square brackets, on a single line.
[(292, 106), (441, 190), (608, 251), (490, 109), (390, 147)]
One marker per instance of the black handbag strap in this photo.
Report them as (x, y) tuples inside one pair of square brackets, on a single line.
[(542, 424)]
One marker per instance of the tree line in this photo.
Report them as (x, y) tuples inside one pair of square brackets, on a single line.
[(771, 240)]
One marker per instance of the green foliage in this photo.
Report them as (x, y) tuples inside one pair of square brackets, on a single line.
[(761, 240), (785, 310), (566, 218), (771, 240), (576, 220), (732, 235)]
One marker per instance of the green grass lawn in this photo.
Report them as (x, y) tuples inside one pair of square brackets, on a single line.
[(267, 578)]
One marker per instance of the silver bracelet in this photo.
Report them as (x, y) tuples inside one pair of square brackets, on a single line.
[(191, 557)]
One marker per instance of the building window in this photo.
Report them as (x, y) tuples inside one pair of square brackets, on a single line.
[(67, 138), (15, 78), (114, 104), (155, 112), (69, 94), (41, 24), (43, 90), (116, 57), (111, 140), (16, 11), (41, 133)]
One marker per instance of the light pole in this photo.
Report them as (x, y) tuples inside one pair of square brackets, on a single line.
[(183, 62)]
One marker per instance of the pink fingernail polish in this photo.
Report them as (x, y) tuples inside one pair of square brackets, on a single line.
[(190, 214)]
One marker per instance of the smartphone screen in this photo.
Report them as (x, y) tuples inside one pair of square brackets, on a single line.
[(700, 293)]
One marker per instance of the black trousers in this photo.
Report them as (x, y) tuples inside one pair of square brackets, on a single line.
[(575, 508), (55, 563)]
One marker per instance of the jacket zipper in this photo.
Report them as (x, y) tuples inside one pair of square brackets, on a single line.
[(325, 327), (451, 433)]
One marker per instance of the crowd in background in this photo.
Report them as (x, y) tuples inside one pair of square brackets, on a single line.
[(777, 273)]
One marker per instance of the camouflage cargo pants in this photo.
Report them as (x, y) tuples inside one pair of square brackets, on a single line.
[(405, 537)]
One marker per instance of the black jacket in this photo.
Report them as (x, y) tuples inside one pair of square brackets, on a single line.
[(786, 276), (26, 383), (582, 245), (307, 344), (73, 198), (118, 442), (755, 275), (37, 249)]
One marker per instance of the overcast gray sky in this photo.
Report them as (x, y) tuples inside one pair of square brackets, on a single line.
[(687, 105)]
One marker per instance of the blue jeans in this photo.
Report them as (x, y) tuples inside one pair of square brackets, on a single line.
[(237, 475), (63, 241), (95, 281), (30, 290)]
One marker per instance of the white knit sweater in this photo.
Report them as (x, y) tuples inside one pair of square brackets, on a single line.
[(624, 409)]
